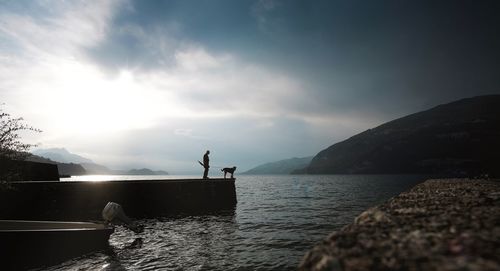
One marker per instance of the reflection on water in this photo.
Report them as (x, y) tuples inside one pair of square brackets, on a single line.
[(104, 178), (277, 219)]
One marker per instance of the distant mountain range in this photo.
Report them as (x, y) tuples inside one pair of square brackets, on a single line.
[(146, 171), (61, 155), (73, 164), (459, 138), (93, 168), (286, 166)]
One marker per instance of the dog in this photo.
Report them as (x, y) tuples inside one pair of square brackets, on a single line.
[(227, 170)]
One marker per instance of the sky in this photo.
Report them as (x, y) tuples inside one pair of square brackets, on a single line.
[(154, 84)]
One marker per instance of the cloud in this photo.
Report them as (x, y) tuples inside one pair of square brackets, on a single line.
[(137, 47), (141, 82), (198, 59), (213, 85), (65, 30), (192, 98), (262, 11)]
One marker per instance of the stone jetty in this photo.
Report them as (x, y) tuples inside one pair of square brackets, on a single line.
[(84, 201), (447, 224)]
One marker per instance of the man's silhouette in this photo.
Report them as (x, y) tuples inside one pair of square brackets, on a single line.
[(206, 165)]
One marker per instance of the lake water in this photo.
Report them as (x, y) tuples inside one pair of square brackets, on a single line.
[(277, 219)]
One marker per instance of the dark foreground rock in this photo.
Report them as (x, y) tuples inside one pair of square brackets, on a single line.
[(449, 224)]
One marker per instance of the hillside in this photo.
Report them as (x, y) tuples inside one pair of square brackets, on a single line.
[(62, 168), (93, 168), (73, 164), (61, 155), (280, 167), (459, 138), (145, 171)]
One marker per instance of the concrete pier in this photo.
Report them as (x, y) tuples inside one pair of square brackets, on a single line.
[(81, 200), (448, 224), (12, 170)]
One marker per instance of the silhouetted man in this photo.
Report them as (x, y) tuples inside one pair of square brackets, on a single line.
[(206, 164)]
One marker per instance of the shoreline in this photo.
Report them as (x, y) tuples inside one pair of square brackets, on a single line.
[(440, 224)]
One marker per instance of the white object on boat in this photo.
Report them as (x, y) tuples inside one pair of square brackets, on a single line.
[(111, 211)]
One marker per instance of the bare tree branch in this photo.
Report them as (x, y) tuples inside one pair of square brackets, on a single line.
[(11, 146)]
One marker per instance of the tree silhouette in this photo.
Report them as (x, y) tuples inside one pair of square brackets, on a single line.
[(11, 146)]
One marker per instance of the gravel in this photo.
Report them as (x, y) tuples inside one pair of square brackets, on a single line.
[(445, 224)]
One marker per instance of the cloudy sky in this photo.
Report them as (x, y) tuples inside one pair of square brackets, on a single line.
[(155, 83)]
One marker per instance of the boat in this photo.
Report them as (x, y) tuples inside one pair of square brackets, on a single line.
[(26, 244)]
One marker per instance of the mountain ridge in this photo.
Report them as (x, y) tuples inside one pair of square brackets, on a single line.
[(457, 138), (73, 164), (285, 166), (61, 155)]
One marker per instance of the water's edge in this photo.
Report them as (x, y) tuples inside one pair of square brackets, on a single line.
[(276, 220)]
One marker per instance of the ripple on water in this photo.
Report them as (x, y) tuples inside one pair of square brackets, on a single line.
[(277, 219)]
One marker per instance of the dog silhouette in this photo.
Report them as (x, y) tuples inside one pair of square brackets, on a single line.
[(227, 170)]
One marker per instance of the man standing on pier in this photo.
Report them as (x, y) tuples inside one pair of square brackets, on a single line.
[(206, 165)]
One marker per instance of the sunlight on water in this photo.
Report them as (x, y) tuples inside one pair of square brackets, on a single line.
[(101, 178), (277, 219), (91, 178)]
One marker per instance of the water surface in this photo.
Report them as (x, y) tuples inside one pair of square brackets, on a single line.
[(277, 219)]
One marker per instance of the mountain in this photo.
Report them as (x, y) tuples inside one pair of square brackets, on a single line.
[(61, 155), (73, 164), (92, 168), (459, 138), (70, 169), (145, 171), (280, 167), (96, 169)]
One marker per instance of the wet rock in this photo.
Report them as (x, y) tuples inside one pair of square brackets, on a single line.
[(451, 224), (372, 216)]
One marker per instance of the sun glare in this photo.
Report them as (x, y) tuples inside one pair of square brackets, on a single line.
[(86, 102)]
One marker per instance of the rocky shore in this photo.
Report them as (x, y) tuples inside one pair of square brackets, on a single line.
[(448, 224)]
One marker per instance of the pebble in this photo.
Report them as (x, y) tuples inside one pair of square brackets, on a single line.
[(444, 224)]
